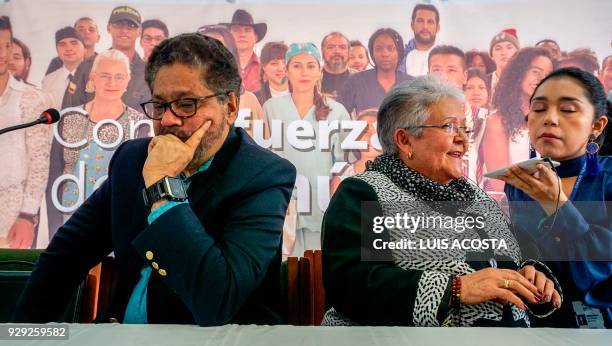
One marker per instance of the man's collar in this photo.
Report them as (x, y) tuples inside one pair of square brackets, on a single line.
[(14, 84), (203, 167), (254, 59)]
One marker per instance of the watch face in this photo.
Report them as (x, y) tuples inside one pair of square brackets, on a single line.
[(176, 188)]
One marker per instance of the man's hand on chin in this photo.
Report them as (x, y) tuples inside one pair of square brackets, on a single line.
[(168, 155)]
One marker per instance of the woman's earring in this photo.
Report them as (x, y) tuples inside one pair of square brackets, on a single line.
[(592, 160), (410, 155)]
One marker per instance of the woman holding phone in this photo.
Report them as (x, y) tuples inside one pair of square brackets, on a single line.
[(566, 210)]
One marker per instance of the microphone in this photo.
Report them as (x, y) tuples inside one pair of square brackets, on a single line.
[(47, 117)]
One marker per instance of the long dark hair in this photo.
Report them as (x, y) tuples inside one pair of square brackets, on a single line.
[(474, 72), (508, 96)]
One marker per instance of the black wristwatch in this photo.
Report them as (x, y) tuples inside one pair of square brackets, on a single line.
[(167, 188)]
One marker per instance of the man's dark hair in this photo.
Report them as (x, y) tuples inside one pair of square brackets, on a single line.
[(217, 66), (395, 36), (447, 50), (546, 40), (155, 23), (426, 7), (5, 24)]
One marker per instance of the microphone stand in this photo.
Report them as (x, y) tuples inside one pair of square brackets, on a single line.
[(21, 126)]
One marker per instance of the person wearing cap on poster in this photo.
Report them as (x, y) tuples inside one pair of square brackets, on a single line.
[(503, 48), (246, 34), (124, 28), (306, 103), (153, 32), (70, 50), (89, 32)]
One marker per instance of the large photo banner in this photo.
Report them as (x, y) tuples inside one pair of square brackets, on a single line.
[(87, 59)]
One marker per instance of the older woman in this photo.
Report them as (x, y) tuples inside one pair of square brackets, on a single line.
[(104, 123), (421, 125), (306, 103), (569, 217)]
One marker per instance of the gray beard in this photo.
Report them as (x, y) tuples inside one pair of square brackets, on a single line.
[(339, 66), (203, 150)]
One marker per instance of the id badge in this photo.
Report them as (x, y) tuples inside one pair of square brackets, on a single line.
[(587, 317)]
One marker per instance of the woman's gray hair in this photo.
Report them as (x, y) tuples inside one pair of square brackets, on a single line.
[(111, 54), (407, 105)]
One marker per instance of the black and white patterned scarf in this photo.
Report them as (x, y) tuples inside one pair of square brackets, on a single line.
[(413, 182)]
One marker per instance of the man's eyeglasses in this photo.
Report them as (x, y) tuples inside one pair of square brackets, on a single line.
[(449, 128), (182, 108)]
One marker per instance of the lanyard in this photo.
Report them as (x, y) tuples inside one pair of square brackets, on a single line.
[(578, 181)]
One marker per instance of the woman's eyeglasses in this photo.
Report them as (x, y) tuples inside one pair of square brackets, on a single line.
[(449, 128)]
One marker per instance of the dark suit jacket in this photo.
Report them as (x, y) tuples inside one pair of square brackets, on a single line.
[(221, 253)]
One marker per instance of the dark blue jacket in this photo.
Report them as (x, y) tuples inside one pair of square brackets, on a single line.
[(578, 246), (221, 253)]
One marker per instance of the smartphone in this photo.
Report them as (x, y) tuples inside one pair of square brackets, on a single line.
[(528, 165)]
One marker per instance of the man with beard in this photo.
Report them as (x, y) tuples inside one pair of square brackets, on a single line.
[(194, 216), (335, 47), (425, 25)]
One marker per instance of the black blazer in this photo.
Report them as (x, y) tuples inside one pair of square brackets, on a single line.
[(221, 253)]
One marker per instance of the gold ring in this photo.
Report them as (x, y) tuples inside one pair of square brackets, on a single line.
[(506, 284)]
